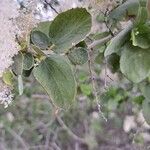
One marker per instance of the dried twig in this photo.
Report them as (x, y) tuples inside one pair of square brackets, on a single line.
[(56, 146), (74, 136), (90, 52), (17, 137), (47, 141), (37, 147), (50, 5), (105, 79)]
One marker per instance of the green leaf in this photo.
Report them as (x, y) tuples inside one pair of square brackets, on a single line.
[(82, 76), (143, 29), (139, 100), (130, 7), (146, 110), (78, 56), (113, 62), (112, 105), (43, 27), (100, 35), (148, 7), (135, 63), (69, 28), (143, 3), (40, 39), (86, 89), (99, 58), (100, 18), (117, 42), (82, 44), (17, 66), (145, 89), (55, 75), (27, 73), (28, 61), (141, 36), (142, 16), (8, 77), (37, 50), (140, 40)]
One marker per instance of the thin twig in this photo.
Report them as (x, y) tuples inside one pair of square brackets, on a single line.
[(56, 146), (51, 7), (47, 141), (76, 146), (17, 137), (90, 51), (106, 22), (74, 136), (105, 79), (109, 28), (37, 147)]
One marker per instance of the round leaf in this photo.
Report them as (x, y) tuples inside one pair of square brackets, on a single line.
[(78, 56), (117, 42), (40, 39), (17, 66), (145, 89), (140, 40), (113, 62), (28, 61), (69, 28), (129, 7), (142, 16), (86, 89), (8, 78), (135, 63), (43, 27), (55, 75)]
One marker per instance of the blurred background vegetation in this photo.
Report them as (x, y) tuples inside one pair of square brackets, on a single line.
[(31, 123)]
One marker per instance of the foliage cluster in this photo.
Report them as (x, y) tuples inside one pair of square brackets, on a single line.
[(55, 48)]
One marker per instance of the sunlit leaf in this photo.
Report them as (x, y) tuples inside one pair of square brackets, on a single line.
[(86, 89), (8, 77)]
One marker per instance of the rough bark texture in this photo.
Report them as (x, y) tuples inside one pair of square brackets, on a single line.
[(8, 46)]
